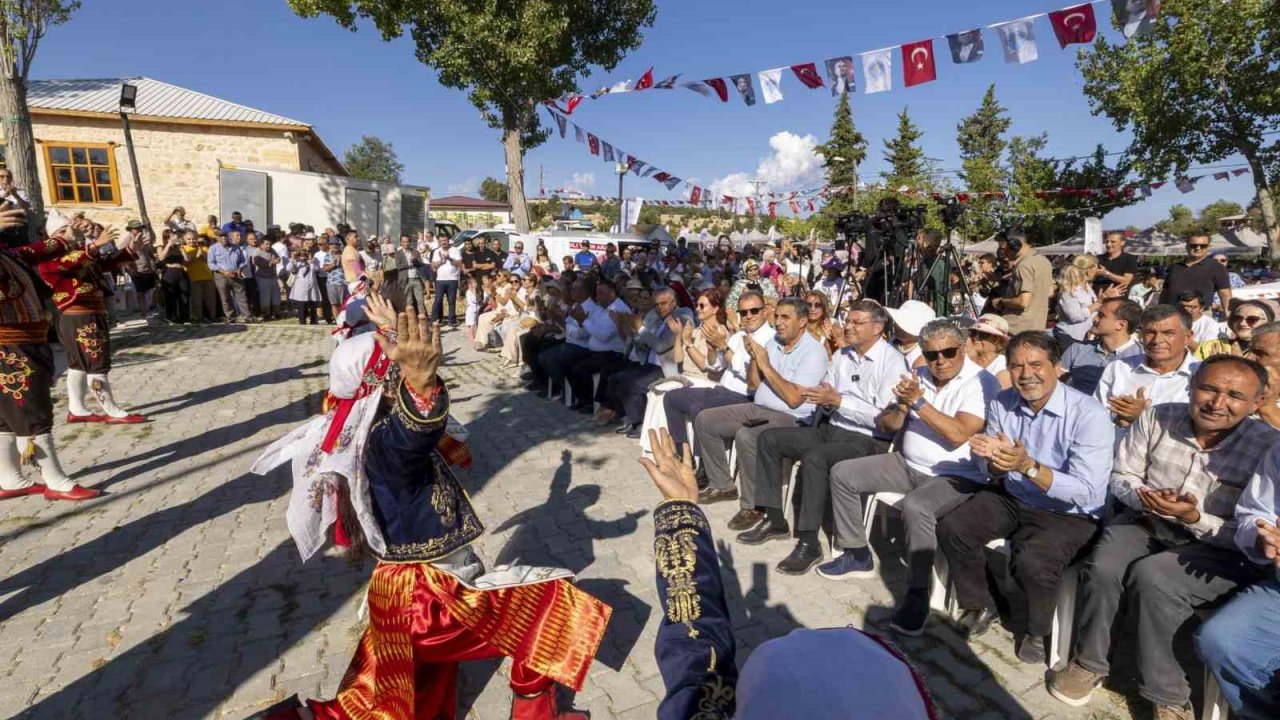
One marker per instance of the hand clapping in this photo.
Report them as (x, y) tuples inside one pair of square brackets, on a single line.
[(673, 477), (1269, 541), (1127, 408), (908, 390)]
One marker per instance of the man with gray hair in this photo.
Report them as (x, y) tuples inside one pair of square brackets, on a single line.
[(856, 391), (937, 409), (779, 374), (1264, 346), (650, 347), (1161, 374)]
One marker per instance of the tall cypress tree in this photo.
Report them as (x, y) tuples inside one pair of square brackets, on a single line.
[(842, 153), (904, 156), (982, 144)]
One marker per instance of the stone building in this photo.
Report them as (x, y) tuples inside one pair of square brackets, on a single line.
[(181, 138), (470, 212)]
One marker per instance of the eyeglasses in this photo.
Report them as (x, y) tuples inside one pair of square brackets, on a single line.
[(744, 312), (1197, 246), (948, 353), (1250, 320)]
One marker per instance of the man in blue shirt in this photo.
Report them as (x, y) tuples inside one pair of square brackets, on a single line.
[(518, 262), (1048, 451), (228, 263), (236, 225), (1113, 330), (585, 258)]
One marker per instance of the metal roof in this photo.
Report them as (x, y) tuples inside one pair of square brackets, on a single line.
[(155, 99)]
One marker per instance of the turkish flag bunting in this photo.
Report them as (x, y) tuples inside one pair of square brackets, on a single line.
[(1074, 24), (1239, 171), (795, 206), (917, 63), (661, 176), (751, 206), (720, 87), (810, 206), (1222, 176), (695, 195), (646, 80), (808, 75), (593, 142), (571, 103)]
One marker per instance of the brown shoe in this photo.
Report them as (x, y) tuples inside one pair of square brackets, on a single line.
[(745, 520), (1074, 685), (1169, 712), (711, 495)]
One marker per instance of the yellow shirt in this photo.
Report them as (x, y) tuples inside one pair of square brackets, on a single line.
[(1216, 346), (198, 268)]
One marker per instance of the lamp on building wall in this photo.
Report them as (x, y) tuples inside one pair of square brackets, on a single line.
[(128, 104)]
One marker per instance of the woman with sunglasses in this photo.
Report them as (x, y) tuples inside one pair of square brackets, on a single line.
[(821, 326), (1244, 317), (987, 340)]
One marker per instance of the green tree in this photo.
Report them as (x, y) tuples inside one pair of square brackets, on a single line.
[(1095, 172), (842, 153), (373, 159), (904, 156), (509, 56), (982, 145), (1211, 215), (1202, 87), (1181, 221), (493, 190), (1030, 171), (23, 24)]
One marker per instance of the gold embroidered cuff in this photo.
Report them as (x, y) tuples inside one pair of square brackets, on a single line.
[(408, 413)]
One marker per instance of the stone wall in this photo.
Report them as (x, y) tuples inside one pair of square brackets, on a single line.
[(178, 162)]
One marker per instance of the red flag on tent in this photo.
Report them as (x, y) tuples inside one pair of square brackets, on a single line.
[(773, 209), (695, 195), (808, 75), (1074, 24), (720, 87), (917, 63), (646, 80), (751, 206)]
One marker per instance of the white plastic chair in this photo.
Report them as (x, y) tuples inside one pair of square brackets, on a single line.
[(1215, 706), (940, 591)]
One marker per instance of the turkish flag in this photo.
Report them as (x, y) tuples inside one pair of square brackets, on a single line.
[(751, 206), (795, 206), (695, 195), (808, 75), (917, 63), (720, 87), (1074, 25), (646, 80), (593, 142), (810, 206), (661, 177), (571, 103), (773, 209)]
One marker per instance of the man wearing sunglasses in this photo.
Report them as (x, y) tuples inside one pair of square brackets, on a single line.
[(1198, 274), (684, 405), (1162, 374), (857, 389), (778, 372), (1048, 450)]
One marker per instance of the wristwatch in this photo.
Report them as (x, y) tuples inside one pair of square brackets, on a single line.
[(1032, 472), (918, 403)]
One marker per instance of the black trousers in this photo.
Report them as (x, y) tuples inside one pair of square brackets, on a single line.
[(26, 381), (86, 341), (177, 296), (556, 361), (251, 292), (306, 311), (817, 449), (580, 373), (531, 347), (683, 405), (628, 391), (1043, 543)]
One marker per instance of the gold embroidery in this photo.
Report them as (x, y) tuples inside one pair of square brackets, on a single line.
[(443, 498), (460, 517), (679, 515), (717, 698), (15, 379), (677, 560), (89, 342)]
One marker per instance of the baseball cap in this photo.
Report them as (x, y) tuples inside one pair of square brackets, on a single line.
[(912, 316)]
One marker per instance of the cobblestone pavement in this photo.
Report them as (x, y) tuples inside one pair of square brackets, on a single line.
[(180, 595)]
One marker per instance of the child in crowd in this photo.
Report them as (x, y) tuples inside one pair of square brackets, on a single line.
[(472, 297)]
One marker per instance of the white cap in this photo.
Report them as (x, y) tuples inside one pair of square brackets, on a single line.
[(912, 316), (54, 222)]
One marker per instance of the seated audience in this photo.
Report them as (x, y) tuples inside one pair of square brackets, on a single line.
[(552, 363), (987, 340), (1244, 317), (604, 344), (1113, 329), (1049, 448), (650, 348), (1162, 374), (907, 323)]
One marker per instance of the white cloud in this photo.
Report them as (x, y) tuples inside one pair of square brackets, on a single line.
[(792, 165), (470, 186), (585, 179)]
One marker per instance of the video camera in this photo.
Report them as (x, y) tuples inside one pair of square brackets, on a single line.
[(891, 229)]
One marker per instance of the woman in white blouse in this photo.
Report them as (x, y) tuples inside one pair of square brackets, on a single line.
[(987, 340)]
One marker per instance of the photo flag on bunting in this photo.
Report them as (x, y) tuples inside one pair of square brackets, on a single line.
[(1136, 18), (771, 85), (608, 151), (1186, 185), (577, 134), (667, 84), (840, 75), (1018, 38), (722, 90), (877, 70), (561, 122), (646, 80), (917, 63), (742, 83), (807, 74), (1074, 26), (966, 47), (671, 182)]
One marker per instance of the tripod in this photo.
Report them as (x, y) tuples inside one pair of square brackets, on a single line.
[(950, 259)]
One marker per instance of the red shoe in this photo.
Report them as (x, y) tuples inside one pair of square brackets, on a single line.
[(541, 707), (126, 420), (33, 489), (76, 493), (90, 418)]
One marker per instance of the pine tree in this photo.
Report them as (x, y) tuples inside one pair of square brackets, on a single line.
[(842, 153), (904, 156), (982, 144)]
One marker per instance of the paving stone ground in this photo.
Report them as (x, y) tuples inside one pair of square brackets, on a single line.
[(180, 595)]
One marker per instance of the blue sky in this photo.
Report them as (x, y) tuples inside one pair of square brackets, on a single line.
[(257, 53)]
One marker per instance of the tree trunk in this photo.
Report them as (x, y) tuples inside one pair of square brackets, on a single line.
[(1265, 203), (515, 176), (20, 148)]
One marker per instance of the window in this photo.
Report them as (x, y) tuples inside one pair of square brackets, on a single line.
[(82, 174)]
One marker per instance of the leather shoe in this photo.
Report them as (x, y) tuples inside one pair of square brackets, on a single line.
[(623, 429), (763, 532), (129, 419), (587, 409), (90, 418), (973, 623), (702, 479), (801, 560), (711, 495), (76, 493), (32, 489), (745, 520), (1030, 649), (634, 433)]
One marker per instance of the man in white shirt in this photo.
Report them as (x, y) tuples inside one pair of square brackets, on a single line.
[(553, 362), (683, 405), (447, 263), (858, 387), (938, 409), (1162, 374), (779, 373), (1203, 327), (604, 344)]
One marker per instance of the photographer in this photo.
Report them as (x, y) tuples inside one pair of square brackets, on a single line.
[(929, 283)]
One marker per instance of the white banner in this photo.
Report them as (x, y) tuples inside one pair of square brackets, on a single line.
[(1093, 236), (877, 70), (1018, 38)]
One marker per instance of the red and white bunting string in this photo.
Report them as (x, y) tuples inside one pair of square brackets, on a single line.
[(1073, 25)]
